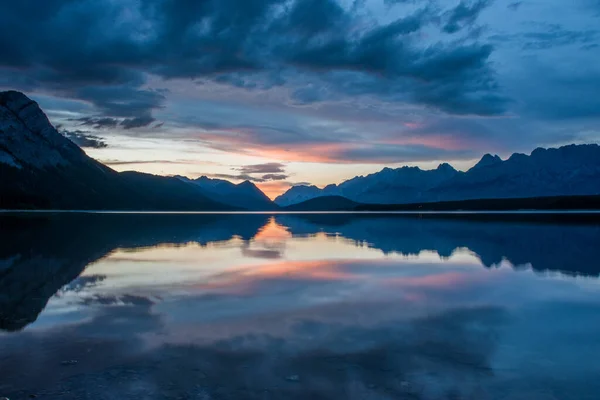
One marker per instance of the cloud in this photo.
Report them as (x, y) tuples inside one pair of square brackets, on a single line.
[(515, 5), (464, 14), (274, 177), (113, 123), (549, 36), (267, 168), (309, 94), (137, 122), (395, 2), (267, 172), (98, 123), (84, 139), (434, 138), (123, 101), (248, 177), (297, 60), (235, 177), (103, 52)]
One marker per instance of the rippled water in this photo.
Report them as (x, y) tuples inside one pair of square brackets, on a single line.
[(109, 306)]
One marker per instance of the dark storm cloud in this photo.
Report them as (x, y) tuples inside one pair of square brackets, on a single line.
[(102, 52), (379, 51), (455, 77), (84, 139), (76, 49)]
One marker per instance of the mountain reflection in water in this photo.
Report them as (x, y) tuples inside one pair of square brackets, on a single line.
[(299, 306)]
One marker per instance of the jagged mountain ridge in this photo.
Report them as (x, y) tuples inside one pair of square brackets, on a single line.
[(301, 193), (244, 195), (565, 171)]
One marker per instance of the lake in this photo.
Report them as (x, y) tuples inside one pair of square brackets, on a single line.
[(299, 306)]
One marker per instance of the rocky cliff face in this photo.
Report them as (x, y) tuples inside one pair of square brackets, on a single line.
[(40, 168), (28, 139)]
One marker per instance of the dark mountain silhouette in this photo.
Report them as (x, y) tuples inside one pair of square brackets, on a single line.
[(245, 195), (383, 187), (40, 253), (488, 160), (41, 169), (566, 171)]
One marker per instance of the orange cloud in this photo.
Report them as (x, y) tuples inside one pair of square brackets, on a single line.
[(248, 142)]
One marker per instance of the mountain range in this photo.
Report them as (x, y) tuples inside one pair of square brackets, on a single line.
[(566, 171), (244, 195), (42, 169)]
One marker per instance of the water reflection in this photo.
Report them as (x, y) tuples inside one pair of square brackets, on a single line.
[(298, 306)]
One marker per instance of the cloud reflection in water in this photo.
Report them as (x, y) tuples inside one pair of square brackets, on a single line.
[(355, 306)]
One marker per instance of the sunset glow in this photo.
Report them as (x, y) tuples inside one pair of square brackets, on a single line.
[(445, 82)]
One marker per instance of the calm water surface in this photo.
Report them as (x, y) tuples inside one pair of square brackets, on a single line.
[(299, 307)]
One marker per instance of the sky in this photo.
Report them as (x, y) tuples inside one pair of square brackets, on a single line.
[(287, 92)]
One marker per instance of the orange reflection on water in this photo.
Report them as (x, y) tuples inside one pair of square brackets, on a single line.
[(306, 270), (273, 231), (247, 277)]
